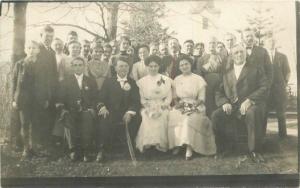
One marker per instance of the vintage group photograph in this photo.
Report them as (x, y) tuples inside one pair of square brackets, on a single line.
[(164, 88)]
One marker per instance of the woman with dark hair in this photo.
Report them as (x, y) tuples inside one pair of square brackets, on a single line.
[(188, 124), (156, 97)]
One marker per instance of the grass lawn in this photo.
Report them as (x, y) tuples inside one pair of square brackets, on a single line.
[(281, 158)]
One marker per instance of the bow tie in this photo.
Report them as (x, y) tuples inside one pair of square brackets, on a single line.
[(249, 48)]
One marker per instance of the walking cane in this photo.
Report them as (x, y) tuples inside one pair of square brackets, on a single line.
[(130, 147)]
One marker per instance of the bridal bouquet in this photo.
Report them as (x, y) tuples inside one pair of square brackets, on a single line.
[(189, 108)]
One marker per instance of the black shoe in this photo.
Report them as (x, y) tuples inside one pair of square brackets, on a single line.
[(100, 157), (254, 157)]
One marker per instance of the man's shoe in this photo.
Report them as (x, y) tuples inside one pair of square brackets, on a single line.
[(100, 157), (253, 156)]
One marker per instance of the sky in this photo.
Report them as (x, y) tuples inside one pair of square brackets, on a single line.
[(178, 18)]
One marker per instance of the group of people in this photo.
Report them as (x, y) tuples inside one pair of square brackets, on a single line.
[(163, 95)]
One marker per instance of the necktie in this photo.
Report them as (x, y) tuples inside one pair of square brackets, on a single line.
[(173, 70)]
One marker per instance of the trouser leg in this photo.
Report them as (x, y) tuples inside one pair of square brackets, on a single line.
[(71, 132), (219, 119), (25, 128), (254, 121), (280, 113), (15, 129), (106, 131), (86, 131)]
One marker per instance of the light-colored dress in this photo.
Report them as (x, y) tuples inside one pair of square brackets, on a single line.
[(191, 127), (156, 97), (139, 70)]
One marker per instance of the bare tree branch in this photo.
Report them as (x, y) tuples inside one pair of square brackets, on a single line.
[(103, 20), (66, 24)]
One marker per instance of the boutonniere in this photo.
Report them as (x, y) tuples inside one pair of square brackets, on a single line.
[(161, 81), (126, 86), (86, 87)]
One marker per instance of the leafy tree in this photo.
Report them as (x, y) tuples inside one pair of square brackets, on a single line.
[(143, 25)]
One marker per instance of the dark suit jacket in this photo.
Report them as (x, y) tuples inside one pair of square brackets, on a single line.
[(281, 71), (252, 84), (117, 100), (261, 57), (167, 61), (22, 82), (70, 93), (46, 76)]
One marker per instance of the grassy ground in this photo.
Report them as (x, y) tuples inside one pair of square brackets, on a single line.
[(281, 157)]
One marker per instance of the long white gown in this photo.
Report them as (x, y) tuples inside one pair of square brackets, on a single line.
[(156, 97), (194, 129)]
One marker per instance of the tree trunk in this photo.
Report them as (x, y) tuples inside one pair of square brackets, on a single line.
[(112, 20), (19, 31)]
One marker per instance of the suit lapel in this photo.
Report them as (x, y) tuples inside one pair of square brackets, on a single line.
[(244, 72)]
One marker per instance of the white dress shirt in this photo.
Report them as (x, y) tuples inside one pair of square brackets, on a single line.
[(271, 54), (122, 80), (79, 79), (238, 69)]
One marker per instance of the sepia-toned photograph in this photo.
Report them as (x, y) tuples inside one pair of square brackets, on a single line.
[(135, 89)]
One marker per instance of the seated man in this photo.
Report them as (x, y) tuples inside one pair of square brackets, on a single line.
[(120, 104), (241, 94), (77, 96)]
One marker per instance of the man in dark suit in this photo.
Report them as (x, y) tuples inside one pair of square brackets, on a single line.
[(170, 64), (242, 91), (78, 96), (278, 95), (119, 105), (45, 86)]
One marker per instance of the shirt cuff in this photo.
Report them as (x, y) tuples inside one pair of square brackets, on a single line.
[(131, 112)]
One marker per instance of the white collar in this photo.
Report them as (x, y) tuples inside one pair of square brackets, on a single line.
[(239, 66), (121, 79), (79, 76)]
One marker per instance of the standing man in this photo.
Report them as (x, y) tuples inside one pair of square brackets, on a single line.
[(170, 62), (278, 96), (45, 86), (86, 48), (163, 49), (257, 55), (230, 41), (72, 36), (240, 97), (188, 49)]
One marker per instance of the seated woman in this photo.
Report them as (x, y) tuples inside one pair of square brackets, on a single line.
[(156, 96), (188, 124)]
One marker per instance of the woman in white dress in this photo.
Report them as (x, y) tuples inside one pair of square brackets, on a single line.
[(188, 124), (156, 96)]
